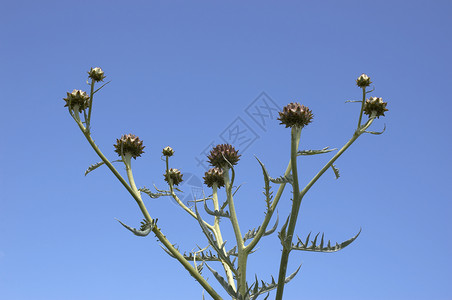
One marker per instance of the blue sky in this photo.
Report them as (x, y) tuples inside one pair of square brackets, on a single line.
[(185, 74)]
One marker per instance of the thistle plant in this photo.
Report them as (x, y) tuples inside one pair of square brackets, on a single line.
[(223, 158)]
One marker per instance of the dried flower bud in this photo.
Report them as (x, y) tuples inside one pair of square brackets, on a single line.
[(295, 114), (175, 176), (77, 98), (130, 144), (375, 104), (216, 156), (214, 175), (363, 81), (168, 151), (96, 74)]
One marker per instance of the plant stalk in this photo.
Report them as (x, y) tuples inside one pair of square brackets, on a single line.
[(155, 230), (287, 242)]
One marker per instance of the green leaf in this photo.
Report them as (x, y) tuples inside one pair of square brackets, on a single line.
[(376, 132), (97, 165), (252, 232), (227, 287), (313, 152), (145, 229), (336, 171), (267, 287), (282, 233), (154, 195), (212, 241), (217, 213), (267, 188), (321, 248)]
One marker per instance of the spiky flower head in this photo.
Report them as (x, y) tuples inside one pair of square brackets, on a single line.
[(168, 151), (175, 176), (214, 175), (130, 144), (96, 74), (363, 81), (77, 98), (216, 156), (295, 114), (375, 104)]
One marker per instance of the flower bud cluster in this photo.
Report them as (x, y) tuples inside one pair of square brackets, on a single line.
[(363, 81), (175, 175), (131, 144), (375, 104), (295, 115), (214, 175), (220, 152), (77, 98), (168, 151), (96, 74)]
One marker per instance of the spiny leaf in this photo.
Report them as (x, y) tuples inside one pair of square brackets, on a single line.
[(267, 287), (282, 179), (200, 267), (282, 233), (227, 287), (336, 171), (252, 232), (320, 248), (313, 152), (101, 87), (145, 229), (233, 194), (212, 241), (267, 193), (154, 195), (97, 165), (217, 213), (376, 132)]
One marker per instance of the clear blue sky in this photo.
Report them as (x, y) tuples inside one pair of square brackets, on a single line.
[(183, 74)]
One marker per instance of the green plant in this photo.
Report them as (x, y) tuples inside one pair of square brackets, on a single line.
[(223, 158)]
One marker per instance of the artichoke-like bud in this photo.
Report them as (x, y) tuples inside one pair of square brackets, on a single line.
[(130, 144), (216, 155), (175, 176), (295, 114), (214, 175), (363, 81), (96, 74), (375, 104), (77, 97), (168, 151)]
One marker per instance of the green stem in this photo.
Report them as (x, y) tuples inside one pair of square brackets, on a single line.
[(335, 157), (290, 230), (268, 216), (181, 204), (91, 95), (242, 254), (362, 107), (217, 232), (287, 242), (143, 209)]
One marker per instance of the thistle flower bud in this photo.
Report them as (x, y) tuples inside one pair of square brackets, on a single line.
[(375, 104), (295, 114), (363, 81), (130, 144), (216, 156), (168, 151), (77, 98), (214, 175), (175, 176), (96, 74)]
